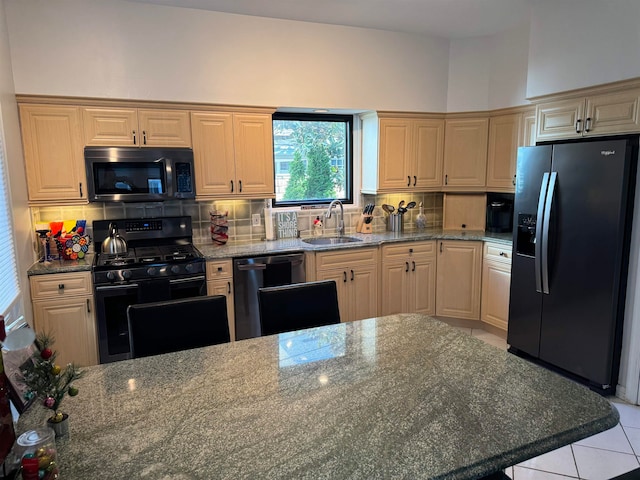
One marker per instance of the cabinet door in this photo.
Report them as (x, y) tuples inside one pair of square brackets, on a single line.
[(394, 288), (560, 119), (225, 287), (459, 274), (504, 138), (395, 152), (71, 322), (53, 152), (253, 141), (214, 161), (422, 292), (465, 154), (164, 128), (426, 170), (613, 113), (528, 129), (496, 281), (110, 126), (363, 285)]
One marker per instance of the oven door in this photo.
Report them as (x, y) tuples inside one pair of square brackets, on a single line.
[(111, 310)]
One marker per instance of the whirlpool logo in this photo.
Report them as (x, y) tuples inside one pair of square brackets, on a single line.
[(606, 153)]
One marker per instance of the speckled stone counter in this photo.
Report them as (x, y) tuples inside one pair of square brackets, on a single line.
[(61, 266), (403, 396)]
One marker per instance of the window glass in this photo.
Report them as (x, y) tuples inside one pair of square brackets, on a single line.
[(313, 158)]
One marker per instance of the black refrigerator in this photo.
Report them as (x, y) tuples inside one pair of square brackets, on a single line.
[(572, 226)]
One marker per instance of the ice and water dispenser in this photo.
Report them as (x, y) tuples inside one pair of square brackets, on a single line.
[(526, 234)]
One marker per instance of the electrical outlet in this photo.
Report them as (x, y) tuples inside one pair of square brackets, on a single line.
[(255, 219)]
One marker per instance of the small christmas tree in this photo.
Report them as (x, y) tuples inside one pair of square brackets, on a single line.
[(48, 380)]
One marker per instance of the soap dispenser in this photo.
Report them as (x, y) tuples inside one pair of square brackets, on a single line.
[(270, 234), (421, 218)]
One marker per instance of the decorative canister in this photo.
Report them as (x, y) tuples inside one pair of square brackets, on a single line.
[(37, 450)]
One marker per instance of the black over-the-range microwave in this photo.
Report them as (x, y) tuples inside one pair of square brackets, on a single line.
[(134, 174)]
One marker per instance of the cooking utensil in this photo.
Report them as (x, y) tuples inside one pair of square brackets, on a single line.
[(410, 205), (388, 208), (114, 243), (401, 204)]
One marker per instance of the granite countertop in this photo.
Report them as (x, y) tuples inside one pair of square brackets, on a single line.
[(247, 249), (403, 396)]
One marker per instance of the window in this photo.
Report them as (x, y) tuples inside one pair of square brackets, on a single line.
[(313, 158), (9, 287)]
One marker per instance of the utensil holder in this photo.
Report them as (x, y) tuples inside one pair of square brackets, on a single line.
[(395, 222)]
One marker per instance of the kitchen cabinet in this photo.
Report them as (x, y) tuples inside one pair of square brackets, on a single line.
[(220, 282), (496, 283), (63, 307), (504, 139), (53, 153), (233, 154), (459, 268), (402, 153), (408, 278), (465, 154), (355, 272), (136, 127), (606, 113), (528, 128)]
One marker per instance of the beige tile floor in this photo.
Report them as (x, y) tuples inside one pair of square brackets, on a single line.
[(600, 457)]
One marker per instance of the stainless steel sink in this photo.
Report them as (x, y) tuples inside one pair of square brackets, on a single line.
[(330, 240)]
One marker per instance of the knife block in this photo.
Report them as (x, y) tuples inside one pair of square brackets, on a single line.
[(364, 224)]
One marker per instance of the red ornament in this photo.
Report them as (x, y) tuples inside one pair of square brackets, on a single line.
[(49, 402), (46, 353)]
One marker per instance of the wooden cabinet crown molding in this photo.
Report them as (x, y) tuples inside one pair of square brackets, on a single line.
[(130, 103), (603, 88)]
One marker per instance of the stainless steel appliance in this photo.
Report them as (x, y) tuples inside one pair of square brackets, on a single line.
[(250, 274), (572, 214), (129, 174), (160, 263)]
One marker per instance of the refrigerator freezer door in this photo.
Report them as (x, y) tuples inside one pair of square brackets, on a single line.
[(586, 243), (525, 305)]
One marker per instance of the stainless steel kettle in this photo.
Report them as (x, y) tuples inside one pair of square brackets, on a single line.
[(114, 243)]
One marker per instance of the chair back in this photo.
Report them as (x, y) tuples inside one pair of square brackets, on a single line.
[(173, 325), (298, 306)]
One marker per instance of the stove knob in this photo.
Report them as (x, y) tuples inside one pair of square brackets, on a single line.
[(189, 267), (175, 269), (151, 271), (126, 274), (111, 276)]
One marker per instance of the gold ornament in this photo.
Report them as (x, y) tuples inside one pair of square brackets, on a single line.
[(56, 369)]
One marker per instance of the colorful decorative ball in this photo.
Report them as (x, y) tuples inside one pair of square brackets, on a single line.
[(73, 391), (58, 417), (56, 369), (46, 353), (49, 402)]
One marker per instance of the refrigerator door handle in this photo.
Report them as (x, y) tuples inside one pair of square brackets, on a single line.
[(545, 232), (539, 223)]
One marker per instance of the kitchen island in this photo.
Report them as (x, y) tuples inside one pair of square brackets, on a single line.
[(403, 396)]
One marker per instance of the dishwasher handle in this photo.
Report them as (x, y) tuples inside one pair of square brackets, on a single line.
[(252, 266)]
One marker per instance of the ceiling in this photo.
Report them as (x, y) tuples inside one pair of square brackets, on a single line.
[(443, 18)]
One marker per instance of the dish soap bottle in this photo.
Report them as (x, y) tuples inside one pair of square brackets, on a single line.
[(421, 218)]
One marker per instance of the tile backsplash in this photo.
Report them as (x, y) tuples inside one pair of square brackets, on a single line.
[(240, 213)]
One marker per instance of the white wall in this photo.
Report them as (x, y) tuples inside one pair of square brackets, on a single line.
[(17, 184), (119, 49), (488, 72), (579, 43)]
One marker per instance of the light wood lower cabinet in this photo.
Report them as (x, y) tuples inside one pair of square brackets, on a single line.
[(63, 307), (220, 282), (496, 282), (408, 280), (356, 275), (459, 267)]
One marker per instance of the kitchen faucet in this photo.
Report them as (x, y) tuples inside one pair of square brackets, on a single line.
[(340, 220)]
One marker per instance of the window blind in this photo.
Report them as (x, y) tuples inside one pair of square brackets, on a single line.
[(9, 286)]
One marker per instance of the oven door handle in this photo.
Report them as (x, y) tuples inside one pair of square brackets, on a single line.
[(116, 287), (175, 281)]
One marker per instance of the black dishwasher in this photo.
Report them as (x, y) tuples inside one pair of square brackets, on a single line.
[(250, 274)]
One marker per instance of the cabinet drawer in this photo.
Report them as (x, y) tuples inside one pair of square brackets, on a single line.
[(219, 269), (400, 251), (59, 285), (342, 258), (497, 252)]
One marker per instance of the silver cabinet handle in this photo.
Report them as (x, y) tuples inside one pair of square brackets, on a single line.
[(541, 201), (587, 124), (545, 232), (578, 126)]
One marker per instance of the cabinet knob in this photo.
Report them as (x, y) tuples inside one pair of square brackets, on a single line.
[(61, 286), (220, 269), (502, 254)]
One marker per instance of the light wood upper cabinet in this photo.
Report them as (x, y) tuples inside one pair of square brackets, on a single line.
[(402, 153), (496, 282), (594, 115), (53, 151), (504, 138), (408, 279), (528, 129), (233, 154), (136, 127), (459, 269), (63, 306), (465, 154)]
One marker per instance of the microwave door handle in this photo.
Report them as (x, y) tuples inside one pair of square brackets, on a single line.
[(539, 233)]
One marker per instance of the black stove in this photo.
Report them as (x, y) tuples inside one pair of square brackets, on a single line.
[(157, 248)]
